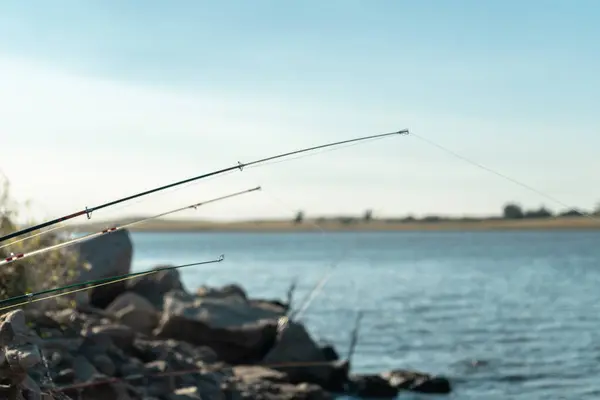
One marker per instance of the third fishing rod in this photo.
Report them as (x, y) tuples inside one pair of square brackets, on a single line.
[(88, 211)]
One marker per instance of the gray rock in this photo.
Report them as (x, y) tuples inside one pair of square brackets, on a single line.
[(104, 364), (265, 384), (24, 357), (217, 312), (127, 299), (371, 386), (121, 335), (96, 342), (55, 359), (156, 366), (131, 368), (109, 255), (197, 354), (160, 388), (227, 291), (84, 370), (251, 374), (6, 333), (65, 316), (154, 286), (41, 319), (274, 306), (65, 376), (135, 311), (32, 388), (188, 393), (417, 381), (115, 391), (21, 333), (62, 345), (139, 320), (210, 385), (294, 344), (17, 320), (236, 345)]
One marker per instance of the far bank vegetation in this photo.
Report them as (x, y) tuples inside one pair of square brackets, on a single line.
[(512, 216)]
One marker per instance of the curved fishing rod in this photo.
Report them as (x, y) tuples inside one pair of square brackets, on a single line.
[(239, 165), (20, 256), (29, 297)]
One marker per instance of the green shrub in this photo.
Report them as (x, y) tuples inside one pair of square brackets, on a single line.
[(36, 273)]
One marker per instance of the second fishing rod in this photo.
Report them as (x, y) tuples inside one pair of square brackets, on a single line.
[(239, 165), (20, 256)]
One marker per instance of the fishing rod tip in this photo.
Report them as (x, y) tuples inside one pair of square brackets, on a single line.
[(403, 132), (258, 188), (221, 257)]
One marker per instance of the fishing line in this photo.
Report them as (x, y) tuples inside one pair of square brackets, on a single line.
[(21, 256), (316, 153), (290, 314), (313, 293), (88, 211), (31, 297), (501, 175)]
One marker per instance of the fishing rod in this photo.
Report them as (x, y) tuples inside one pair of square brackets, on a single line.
[(141, 220), (88, 211), (29, 297), (32, 236), (20, 256)]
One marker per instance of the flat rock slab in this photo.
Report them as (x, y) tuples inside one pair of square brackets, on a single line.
[(417, 382)]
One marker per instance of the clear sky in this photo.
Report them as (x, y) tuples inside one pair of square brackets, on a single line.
[(100, 99)]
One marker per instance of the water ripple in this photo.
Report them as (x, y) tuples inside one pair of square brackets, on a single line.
[(505, 315)]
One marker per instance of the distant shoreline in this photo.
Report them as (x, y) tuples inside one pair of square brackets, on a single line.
[(556, 223)]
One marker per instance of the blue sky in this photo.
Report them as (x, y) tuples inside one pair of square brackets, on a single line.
[(100, 99)]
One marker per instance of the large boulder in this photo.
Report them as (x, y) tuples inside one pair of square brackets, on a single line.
[(108, 255), (237, 331), (234, 345)]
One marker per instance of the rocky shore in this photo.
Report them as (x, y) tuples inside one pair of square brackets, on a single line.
[(148, 338)]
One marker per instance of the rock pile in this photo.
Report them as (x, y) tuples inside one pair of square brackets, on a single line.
[(152, 340)]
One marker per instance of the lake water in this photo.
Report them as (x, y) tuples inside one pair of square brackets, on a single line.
[(504, 315)]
